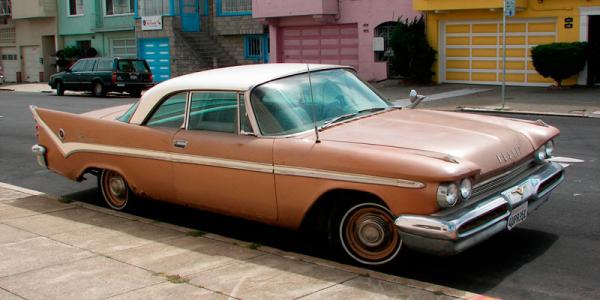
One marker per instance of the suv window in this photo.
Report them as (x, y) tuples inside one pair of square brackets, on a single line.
[(79, 66), (170, 113), (105, 65), (214, 111), (89, 66)]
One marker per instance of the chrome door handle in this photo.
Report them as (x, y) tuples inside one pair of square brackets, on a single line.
[(180, 143)]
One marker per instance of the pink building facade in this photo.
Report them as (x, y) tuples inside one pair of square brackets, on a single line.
[(346, 32)]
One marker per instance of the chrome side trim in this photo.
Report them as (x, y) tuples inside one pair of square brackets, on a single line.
[(368, 179), (69, 148)]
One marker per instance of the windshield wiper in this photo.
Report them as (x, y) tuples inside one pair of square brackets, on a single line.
[(330, 122), (370, 110)]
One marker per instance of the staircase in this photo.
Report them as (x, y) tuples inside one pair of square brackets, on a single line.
[(208, 52)]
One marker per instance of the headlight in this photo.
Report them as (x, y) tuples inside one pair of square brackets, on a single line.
[(465, 188), (540, 154), (549, 148), (447, 194)]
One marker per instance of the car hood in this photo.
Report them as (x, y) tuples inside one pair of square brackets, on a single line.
[(491, 143)]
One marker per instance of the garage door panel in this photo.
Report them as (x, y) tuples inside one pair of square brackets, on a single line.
[(457, 76), (484, 40), (457, 52), (457, 64), (520, 27), (458, 29), (485, 28), (156, 53), (485, 52), (537, 40), (484, 64), (541, 27), (9, 63), (329, 44), (484, 76), (472, 50)]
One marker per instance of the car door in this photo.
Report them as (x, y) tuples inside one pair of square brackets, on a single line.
[(218, 167), (72, 78), (87, 74)]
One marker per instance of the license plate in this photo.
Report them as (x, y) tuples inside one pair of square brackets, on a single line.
[(517, 216), (134, 77), (120, 84)]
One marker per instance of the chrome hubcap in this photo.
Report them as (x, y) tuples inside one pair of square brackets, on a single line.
[(372, 231), (117, 186)]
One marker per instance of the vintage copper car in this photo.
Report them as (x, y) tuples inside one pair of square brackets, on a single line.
[(314, 147)]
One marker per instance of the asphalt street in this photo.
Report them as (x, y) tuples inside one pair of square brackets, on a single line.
[(554, 254)]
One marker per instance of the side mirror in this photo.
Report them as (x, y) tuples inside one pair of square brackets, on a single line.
[(415, 99)]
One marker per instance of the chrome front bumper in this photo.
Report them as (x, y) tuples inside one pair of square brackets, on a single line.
[(469, 225), (40, 155)]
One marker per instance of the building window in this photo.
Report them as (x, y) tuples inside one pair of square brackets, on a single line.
[(4, 7), (119, 7), (124, 48), (75, 7), (153, 7), (7, 35), (234, 7), (256, 47)]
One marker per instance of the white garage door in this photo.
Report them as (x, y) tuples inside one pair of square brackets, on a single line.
[(31, 63), (327, 44), (8, 56), (471, 51)]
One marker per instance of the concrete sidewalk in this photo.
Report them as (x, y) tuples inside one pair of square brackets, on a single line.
[(55, 250)]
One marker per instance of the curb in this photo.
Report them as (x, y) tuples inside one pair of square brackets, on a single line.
[(411, 283), (525, 112)]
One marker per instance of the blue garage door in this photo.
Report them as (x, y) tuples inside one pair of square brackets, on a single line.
[(156, 53)]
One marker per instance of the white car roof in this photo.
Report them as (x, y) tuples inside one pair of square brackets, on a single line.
[(238, 78)]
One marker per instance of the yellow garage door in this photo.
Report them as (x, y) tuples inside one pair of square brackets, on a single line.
[(471, 51)]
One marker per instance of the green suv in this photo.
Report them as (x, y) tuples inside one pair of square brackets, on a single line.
[(103, 75)]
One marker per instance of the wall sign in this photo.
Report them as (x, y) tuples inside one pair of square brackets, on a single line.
[(569, 22), (151, 22)]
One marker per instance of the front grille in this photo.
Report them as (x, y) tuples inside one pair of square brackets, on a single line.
[(549, 182), (484, 219), (502, 179)]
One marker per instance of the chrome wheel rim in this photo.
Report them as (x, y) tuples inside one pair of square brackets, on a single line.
[(368, 234), (98, 89), (114, 189)]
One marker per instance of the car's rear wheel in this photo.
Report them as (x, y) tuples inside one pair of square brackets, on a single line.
[(114, 188), (60, 88), (366, 233), (99, 90)]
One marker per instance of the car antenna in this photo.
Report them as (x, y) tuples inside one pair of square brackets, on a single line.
[(314, 109)]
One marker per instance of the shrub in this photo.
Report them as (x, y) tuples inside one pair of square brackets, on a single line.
[(413, 56), (559, 60)]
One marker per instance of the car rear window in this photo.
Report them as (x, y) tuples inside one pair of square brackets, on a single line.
[(137, 66)]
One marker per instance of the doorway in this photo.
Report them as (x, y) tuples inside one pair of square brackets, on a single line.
[(594, 44), (190, 15)]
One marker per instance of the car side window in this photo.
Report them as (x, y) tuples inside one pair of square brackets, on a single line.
[(79, 66), (213, 111), (170, 113), (89, 67), (105, 65)]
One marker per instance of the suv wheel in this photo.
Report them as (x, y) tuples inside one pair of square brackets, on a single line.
[(99, 89), (60, 88)]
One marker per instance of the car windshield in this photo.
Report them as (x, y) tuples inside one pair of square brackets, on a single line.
[(286, 106), (127, 115)]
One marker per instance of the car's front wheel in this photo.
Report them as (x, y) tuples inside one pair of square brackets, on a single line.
[(60, 88), (366, 233), (114, 189), (99, 90)]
